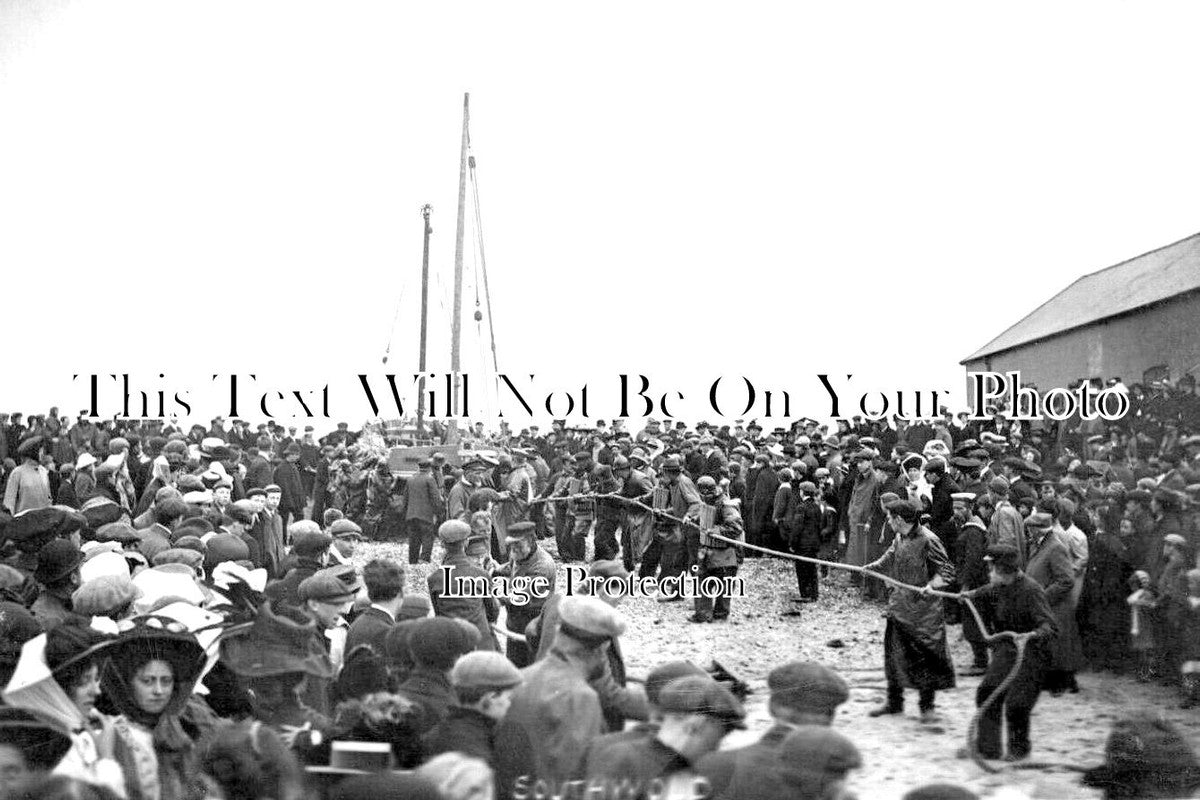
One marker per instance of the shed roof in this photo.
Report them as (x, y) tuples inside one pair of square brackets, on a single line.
[(1145, 280)]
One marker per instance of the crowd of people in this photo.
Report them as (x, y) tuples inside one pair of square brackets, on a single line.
[(183, 613)]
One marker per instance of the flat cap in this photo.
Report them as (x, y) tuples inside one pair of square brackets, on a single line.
[(454, 530), (223, 547), (310, 542), (484, 669), (325, 588), (179, 555), (589, 620), (104, 595), (702, 695), (1003, 555), (438, 642), (965, 462), (817, 749), (664, 674), (29, 446), (999, 484), (521, 530), (345, 529), (1039, 520), (121, 532), (807, 686)]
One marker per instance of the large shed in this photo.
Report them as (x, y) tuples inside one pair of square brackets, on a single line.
[(1138, 320)]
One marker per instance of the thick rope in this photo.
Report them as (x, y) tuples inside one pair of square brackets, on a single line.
[(1018, 639)]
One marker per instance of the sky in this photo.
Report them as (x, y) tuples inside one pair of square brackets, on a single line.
[(685, 191)]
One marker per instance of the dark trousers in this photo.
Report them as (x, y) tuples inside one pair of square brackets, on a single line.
[(925, 697), (668, 553), (806, 578), (1015, 704), (714, 608), (420, 540), (627, 555), (579, 534), (606, 539), (562, 530)]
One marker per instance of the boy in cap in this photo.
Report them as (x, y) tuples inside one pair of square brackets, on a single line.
[(802, 693), (483, 684), (1012, 601)]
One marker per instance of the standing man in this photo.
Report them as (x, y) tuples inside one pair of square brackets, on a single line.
[(526, 561), (287, 477), (479, 611), (859, 521), (1007, 526), (555, 714), (717, 559), (971, 572), (1012, 601), (914, 644), (635, 485), (29, 484), (421, 513), (667, 547)]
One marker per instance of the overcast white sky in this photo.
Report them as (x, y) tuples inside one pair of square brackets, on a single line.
[(680, 189)]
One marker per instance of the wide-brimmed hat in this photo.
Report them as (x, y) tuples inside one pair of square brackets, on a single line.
[(159, 638), (275, 644), (30, 530)]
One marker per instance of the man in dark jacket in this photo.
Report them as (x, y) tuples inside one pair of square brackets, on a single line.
[(460, 577), (527, 562), (806, 528), (1012, 601), (435, 644), (424, 504), (384, 580), (802, 693), (483, 685), (941, 511), (287, 477)]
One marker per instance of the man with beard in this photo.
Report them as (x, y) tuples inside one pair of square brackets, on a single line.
[(915, 654)]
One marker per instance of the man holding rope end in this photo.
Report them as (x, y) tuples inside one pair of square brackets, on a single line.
[(1012, 602), (914, 642)]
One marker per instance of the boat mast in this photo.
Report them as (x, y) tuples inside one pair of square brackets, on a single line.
[(426, 210), (456, 322)]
